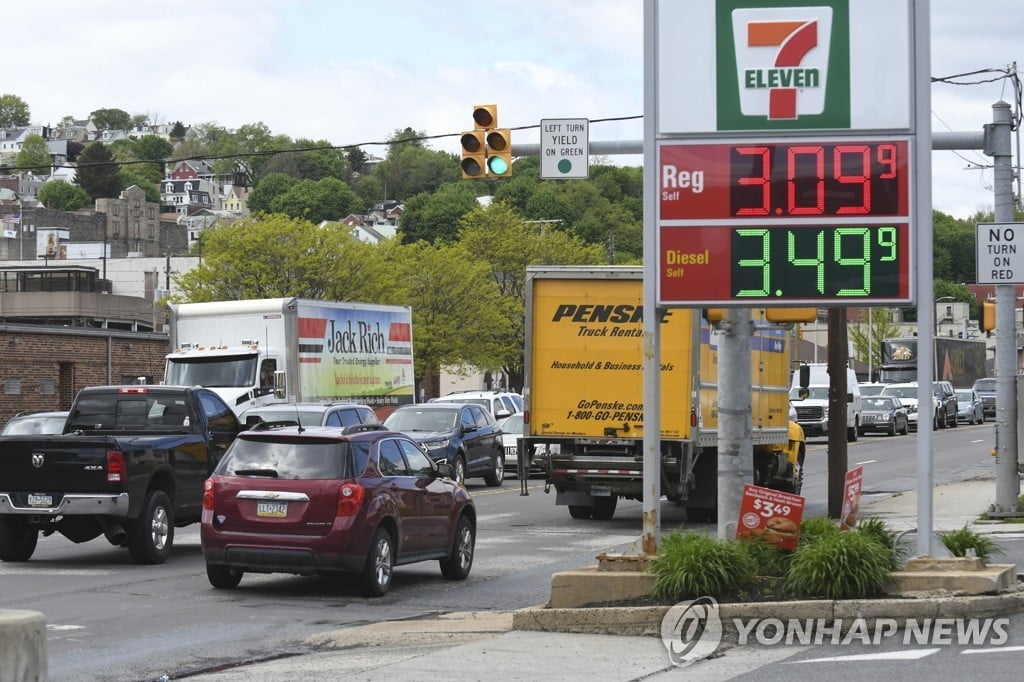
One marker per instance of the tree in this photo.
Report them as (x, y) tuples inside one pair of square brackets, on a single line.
[(275, 256), (97, 173), (499, 237), (867, 338), (268, 189), (319, 162), (130, 176), (58, 195), (316, 200), (34, 156), (410, 168), (178, 131), (435, 215), (111, 119), (14, 112)]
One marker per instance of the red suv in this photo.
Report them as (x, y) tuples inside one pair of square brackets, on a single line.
[(318, 500)]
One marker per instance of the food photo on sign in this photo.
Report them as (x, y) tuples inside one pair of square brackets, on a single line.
[(771, 516), (851, 498)]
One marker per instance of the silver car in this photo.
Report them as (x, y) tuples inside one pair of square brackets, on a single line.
[(969, 406)]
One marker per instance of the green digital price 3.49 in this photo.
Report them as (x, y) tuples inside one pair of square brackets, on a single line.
[(839, 262)]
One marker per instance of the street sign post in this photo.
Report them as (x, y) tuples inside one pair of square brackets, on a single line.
[(565, 149)]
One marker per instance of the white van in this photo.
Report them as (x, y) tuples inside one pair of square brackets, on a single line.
[(812, 410)]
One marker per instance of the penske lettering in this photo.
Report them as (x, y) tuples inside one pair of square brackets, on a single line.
[(618, 313)]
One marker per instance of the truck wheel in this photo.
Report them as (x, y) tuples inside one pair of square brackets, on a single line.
[(456, 565), (380, 563), (223, 577), (580, 511), (497, 473), (17, 539), (851, 434), (604, 507), (151, 535)]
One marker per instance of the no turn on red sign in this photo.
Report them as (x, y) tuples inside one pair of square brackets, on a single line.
[(564, 148), (1000, 249)]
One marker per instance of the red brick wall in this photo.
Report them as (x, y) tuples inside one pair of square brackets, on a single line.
[(90, 358)]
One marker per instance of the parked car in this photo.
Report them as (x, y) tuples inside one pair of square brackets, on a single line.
[(312, 414), (942, 410), (31, 423), (464, 435), (945, 404), (907, 393), (316, 500), (499, 403), (969, 407), (986, 388), (884, 413)]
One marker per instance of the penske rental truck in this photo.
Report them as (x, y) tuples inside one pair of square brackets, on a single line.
[(263, 351), (583, 389)]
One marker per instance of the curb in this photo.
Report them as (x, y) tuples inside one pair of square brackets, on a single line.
[(646, 620)]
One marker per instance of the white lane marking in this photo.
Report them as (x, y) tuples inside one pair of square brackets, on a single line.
[(978, 441), (1001, 649), (913, 654), (867, 461), (65, 627)]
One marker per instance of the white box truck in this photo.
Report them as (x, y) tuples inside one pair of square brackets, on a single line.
[(263, 351)]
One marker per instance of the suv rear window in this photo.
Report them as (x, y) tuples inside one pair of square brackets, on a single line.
[(295, 458)]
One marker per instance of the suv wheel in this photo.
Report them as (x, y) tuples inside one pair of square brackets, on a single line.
[(380, 561), (497, 473), (460, 470)]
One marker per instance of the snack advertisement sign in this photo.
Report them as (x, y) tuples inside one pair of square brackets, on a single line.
[(851, 498), (771, 516)]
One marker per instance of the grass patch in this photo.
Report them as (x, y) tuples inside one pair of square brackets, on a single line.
[(838, 565), (696, 565), (959, 541)]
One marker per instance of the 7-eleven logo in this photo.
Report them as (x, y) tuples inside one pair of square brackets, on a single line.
[(777, 65), (782, 63)]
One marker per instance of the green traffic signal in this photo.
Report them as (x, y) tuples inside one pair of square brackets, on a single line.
[(497, 165)]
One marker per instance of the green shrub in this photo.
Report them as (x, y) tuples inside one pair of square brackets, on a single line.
[(959, 541), (812, 529), (768, 559), (697, 565), (876, 529), (839, 566)]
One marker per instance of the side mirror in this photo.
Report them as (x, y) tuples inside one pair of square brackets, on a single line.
[(803, 393), (849, 397), (444, 469)]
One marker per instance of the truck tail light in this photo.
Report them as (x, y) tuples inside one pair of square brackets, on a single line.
[(115, 467), (350, 498), (526, 417), (209, 490)]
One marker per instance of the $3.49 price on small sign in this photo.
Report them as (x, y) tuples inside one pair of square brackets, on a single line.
[(851, 498), (770, 515)]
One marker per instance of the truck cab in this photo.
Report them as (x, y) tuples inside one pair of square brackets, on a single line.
[(809, 395)]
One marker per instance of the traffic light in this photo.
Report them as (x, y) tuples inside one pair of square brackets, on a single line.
[(499, 152), (486, 150), (473, 154), (988, 317), (784, 315)]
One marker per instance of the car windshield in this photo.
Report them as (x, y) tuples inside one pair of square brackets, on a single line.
[(293, 458), (985, 385), (513, 423), (867, 389), (813, 393), (878, 403), (901, 391), (965, 396), (422, 420)]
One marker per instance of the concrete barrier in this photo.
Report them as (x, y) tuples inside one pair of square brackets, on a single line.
[(22, 646)]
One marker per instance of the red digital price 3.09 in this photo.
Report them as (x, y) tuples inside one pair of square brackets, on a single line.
[(806, 180)]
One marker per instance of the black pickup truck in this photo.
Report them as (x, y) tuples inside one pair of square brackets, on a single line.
[(129, 465)]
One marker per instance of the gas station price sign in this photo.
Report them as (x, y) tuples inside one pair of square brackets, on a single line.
[(798, 221)]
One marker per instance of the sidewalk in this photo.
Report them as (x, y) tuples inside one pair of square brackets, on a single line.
[(484, 645)]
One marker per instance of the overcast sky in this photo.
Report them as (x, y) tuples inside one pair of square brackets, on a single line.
[(353, 72)]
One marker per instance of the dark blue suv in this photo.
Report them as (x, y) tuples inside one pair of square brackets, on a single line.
[(986, 388), (464, 435)]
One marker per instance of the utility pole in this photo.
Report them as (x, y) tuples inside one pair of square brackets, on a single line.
[(838, 361), (735, 427)]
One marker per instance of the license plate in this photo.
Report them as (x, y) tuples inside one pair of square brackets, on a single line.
[(37, 500), (274, 509), (600, 491)]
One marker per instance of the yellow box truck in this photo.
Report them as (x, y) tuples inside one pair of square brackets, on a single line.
[(583, 389)]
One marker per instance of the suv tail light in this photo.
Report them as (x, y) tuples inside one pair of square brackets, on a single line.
[(209, 490), (350, 498), (115, 466)]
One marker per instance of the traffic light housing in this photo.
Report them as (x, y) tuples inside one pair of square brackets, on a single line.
[(474, 154), (787, 315), (487, 149), (988, 317)]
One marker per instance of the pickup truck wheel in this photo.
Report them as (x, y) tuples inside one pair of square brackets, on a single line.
[(497, 474), (380, 563), (17, 539), (851, 434), (460, 559), (580, 511), (223, 577), (604, 507), (150, 536)]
